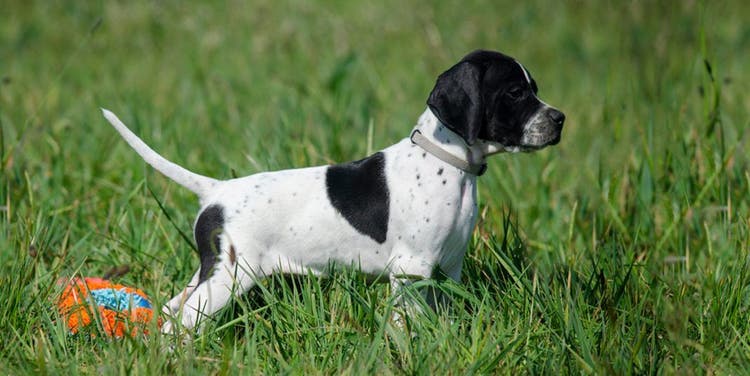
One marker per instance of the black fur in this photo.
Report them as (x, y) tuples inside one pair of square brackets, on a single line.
[(485, 96), (359, 191), (207, 229)]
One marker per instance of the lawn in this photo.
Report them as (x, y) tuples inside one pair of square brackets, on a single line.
[(622, 250)]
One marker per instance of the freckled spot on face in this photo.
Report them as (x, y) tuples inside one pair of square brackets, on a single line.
[(443, 181), (257, 186), (427, 220), (440, 171), (399, 237), (424, 155), (426, 202), (417, 176)]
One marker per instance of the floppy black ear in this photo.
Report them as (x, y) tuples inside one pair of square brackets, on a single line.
[(457, 102)]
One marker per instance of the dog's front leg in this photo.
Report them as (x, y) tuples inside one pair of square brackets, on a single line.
[(407, 268)]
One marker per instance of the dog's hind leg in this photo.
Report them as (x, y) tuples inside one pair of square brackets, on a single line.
[(213, 294), (174, 304)]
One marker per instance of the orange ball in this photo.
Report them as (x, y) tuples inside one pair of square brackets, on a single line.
[(120, 309)]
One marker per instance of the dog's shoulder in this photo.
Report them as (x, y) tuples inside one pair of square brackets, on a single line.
[(359, 192)]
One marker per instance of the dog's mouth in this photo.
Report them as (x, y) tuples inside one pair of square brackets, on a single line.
[(540, 141), (555, 140)]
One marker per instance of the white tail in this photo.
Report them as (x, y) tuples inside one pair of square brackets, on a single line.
[(199, 184)]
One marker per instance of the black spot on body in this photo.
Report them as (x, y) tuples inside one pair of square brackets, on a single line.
[(207, 230), (359, 191), (440, 171)]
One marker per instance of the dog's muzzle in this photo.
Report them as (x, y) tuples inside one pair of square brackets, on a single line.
[(543, 129)]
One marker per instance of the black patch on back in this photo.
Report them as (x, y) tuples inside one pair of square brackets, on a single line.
[(359, 191), (207, 231)]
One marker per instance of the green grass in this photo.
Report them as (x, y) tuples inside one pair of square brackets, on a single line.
[(622, 250)]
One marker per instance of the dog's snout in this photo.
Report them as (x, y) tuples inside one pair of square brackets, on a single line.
[(557, 117)]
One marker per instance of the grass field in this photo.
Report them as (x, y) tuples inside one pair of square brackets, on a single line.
[(622, 250)]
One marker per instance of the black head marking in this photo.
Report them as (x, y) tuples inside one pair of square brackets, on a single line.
[(359, 191), (487, 96), (456, 100)]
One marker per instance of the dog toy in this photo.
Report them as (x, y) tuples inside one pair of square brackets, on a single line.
[(120, 309)]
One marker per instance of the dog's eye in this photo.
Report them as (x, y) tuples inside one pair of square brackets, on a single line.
[(515, 93)]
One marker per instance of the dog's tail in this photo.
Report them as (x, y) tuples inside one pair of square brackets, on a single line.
[(197, 183)]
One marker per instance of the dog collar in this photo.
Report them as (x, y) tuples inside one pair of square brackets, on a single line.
[(419, 139)]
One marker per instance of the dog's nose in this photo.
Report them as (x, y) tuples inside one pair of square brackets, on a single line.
[(557, 116)]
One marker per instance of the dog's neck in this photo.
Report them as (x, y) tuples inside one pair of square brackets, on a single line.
[(451, 143)]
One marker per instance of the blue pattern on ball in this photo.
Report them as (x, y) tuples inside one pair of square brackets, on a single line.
[(118, 300)]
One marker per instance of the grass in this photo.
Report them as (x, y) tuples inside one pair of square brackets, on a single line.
[(622, 250)]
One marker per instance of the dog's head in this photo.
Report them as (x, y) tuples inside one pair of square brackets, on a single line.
[(491, 98)]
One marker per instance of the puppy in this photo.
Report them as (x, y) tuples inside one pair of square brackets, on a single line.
[(405, 212)]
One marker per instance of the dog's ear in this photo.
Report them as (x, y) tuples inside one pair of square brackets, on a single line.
[(457, 101)]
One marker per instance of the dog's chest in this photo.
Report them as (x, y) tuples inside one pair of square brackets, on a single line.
[(433, 204)]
